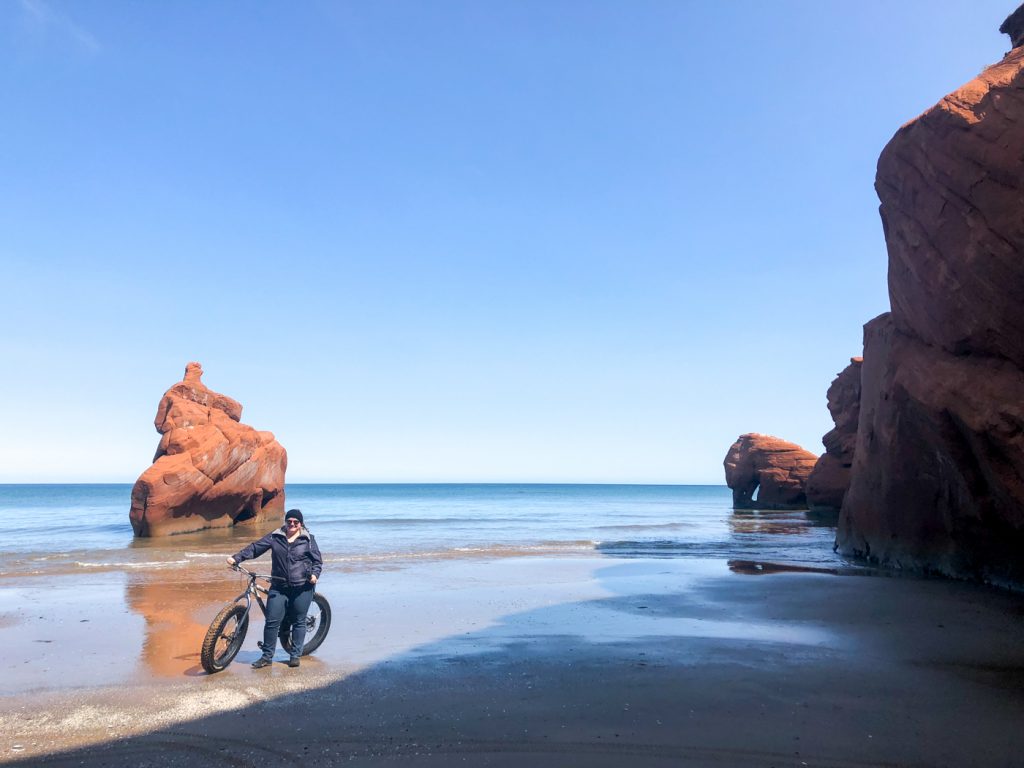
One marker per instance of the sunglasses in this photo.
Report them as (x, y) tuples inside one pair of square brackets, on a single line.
[(292, 522)]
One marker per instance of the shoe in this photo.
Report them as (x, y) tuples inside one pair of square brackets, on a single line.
[(293, 662), (261, 662)]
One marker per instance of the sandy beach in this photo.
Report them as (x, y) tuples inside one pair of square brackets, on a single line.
[(555, 661)]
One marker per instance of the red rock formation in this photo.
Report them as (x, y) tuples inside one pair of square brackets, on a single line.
[(772, 468), (830, 477), (952, 191), (210, 470), (938, 476)]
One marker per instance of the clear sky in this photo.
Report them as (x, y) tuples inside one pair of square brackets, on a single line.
[(450, 241)]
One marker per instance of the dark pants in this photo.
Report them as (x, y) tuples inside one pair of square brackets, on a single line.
[(293, 602)]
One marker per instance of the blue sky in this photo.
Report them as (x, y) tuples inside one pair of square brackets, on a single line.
[(452, 241)]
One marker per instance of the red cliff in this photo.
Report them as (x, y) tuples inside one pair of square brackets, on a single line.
[(938, 475), (210, 470), (830, 478)]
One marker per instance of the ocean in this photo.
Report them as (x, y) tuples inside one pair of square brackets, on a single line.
[(63, 529)]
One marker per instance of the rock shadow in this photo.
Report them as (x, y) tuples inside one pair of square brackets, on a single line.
[(797, 669)]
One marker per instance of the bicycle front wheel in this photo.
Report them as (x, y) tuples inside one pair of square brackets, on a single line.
[(224, 637), (318, 622)]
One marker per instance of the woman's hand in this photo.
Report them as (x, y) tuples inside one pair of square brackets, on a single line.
[(312, 579), (231, 561)]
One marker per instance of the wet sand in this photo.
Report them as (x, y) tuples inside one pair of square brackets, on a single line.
[(562, 661)]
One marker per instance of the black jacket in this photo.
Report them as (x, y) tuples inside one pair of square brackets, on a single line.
[(292, 564)]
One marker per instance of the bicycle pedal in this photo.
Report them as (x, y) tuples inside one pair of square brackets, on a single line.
[(259, 644)]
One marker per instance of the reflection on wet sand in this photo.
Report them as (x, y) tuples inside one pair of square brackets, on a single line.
[(177, 614), (757, 568), (789, 522)]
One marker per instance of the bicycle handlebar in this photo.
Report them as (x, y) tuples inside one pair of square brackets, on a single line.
[(253, 575)]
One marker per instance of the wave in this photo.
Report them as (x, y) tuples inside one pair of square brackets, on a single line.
[(153, 564), (468, 552), (644, 527), (675, 548), (660, 547), (89, 526), (341, 522), (756, 549)]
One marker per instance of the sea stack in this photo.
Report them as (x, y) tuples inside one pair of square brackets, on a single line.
[(937, 481), (210, 470), (772, 469)]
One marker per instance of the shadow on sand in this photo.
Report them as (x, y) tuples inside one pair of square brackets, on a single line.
[(797, 669)]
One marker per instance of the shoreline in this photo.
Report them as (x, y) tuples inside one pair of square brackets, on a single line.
[(739, 667)]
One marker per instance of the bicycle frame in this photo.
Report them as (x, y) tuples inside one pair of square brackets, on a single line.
[(252, 590)]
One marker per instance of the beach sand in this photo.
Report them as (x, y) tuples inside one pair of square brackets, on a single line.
[(549, 661)]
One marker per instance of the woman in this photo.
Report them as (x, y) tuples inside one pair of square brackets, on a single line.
[(296, 565)]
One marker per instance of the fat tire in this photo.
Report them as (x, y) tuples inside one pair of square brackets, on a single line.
[(313, 641), (208, 656)]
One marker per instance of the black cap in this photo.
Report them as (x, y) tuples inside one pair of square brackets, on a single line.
[(293, 513)]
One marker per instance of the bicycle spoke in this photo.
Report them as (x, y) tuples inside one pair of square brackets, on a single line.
[(226, 641)]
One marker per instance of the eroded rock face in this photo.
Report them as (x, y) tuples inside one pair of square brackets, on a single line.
[(951, 184), (938, 474), (830, 478), (773, 469), (210, 470)]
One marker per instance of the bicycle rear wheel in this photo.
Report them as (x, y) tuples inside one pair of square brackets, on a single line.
[(224, 638), (318, 622)]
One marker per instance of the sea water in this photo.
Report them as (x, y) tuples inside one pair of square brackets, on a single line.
[(67, 528)]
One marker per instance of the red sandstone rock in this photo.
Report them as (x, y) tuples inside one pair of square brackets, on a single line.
[(210, 470), (951, 184), (938, 474), (774, 469), (830, 478), (827, 484)]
